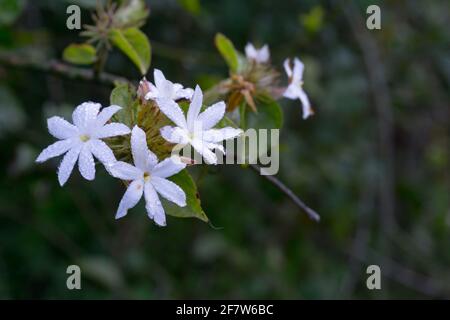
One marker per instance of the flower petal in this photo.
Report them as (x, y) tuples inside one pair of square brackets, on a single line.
[(67, 164), (172, 111), (168, 167), (112, 130), (55, 149), (86, 164), (60, 128), (125, 171), (130, 198), (298, 71), (208, 155), (102, 152), (143, 158), (159, 78), (264, 54), (169, 191), (250, 51), (85, 114), (174, 134), (194, 107), (307, 110), (184, 93), (106, 114), (153, 205), (217, 135), (211, 116), (292, 91), (287, 67)]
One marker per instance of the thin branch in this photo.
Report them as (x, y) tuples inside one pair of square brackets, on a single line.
[(61, 69), (288, 192)]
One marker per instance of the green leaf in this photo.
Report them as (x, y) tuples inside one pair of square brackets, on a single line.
[(131, 13), (227, 50), (313, 20), (191, 6), (135, 45), (193, 208), (269, 115), (123, 95), (80, 54), (10, 11)]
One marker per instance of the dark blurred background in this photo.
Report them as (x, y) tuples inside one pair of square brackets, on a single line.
[(373, 161)]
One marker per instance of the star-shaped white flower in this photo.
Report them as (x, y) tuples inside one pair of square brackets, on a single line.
[(82, 140), (148, 177), (261, 55), (165, 89), (197, 128), (295, 88)]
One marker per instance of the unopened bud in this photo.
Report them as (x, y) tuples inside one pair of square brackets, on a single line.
[(144, 88)]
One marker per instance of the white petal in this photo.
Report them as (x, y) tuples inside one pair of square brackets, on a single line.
[(167, 168), (102, 152), (85, 114), (169, 191), (184, 94), (174, 134), (292, 91), (202, 148), (86, 163), (55, 149), (112, 130), (194, 107), (307, 111), (142, 156), (217, 135), (60, 128), (125, 171), (287, 67), (106, 114), (298, 71), (159, 78), (264, 54), (153, 205), (172, 111), (130, 198), (211, 116), (153, 92), (250, 51), (67, 164)]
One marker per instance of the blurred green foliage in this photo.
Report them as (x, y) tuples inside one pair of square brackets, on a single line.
[(373, 161)]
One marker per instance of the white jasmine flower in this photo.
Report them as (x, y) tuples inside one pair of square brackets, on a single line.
[(295, 88), (197, 128), (165, 89), (261, 55), (148, 177), (82, 140)]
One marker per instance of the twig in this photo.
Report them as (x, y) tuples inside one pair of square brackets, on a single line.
[(61, 69), (288, 192)]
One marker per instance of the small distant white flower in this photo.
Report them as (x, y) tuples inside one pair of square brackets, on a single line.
[(197, 128), (148, 177), (165, 89), (261, 55), (295, 88), (82, 140)]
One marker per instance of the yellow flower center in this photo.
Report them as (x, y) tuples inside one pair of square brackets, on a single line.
[(84, 137), (146, 176)]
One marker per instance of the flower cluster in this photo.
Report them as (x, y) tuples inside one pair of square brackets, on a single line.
[(295, 88), (84, 139)]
